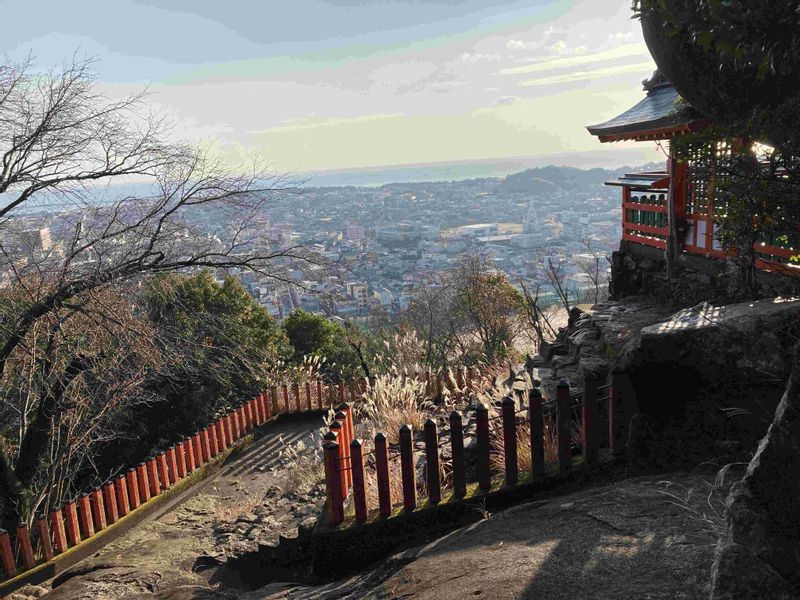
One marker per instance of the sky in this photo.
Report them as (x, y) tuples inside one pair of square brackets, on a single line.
[(317, 85)]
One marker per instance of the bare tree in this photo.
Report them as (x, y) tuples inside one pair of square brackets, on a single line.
[(125, 203), (592, 264), (536, 315)]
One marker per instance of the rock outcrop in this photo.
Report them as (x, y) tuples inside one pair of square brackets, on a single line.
[(760, 556)]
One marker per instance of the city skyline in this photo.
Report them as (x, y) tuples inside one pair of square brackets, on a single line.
[(318, 86)]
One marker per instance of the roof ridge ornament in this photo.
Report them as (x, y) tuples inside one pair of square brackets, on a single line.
[(656, 80)]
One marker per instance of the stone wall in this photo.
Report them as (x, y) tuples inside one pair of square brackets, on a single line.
[(641, 270)]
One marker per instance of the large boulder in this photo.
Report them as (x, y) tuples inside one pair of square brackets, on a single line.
[(709, 375), (760, 556)]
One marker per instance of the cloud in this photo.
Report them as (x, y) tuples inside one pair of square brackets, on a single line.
[(515, 45), (552, 64), (587, 75), (504, 101), (314, 122), (477, 57)]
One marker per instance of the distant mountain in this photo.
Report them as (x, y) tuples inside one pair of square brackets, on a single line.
[(542, 180)]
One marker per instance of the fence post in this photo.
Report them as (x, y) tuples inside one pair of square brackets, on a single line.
[(7, 555), (590, 419), (359, 487), (319, 394), (562, 425), (432, 461), (536, 420), (482, 431), (344, 450), (133, 488), (152, 476), (110, 501), (182, 459), (213, 446), (205, 448), (457, 451), (188, 453), (59, 535), (285, 390), (341, 439), (85, 515), (219, 432), (382, 475), (71, 517), (198, 453), (98, 510), (333, 483), (123, 508), (407, 468), (24, 546), (510, 440), (229, 431), (45, 544), (172, 465), (144, 483), (161, 463), (249, 416), (307, 386)]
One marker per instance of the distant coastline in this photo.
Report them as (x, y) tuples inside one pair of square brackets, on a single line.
[(470, 169)]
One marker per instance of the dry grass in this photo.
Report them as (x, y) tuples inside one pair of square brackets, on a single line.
[(230, 511), (524, 461), (393, 401), (306, 467)]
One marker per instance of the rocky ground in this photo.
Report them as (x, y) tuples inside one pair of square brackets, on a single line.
[(648, 537), (250, 504)]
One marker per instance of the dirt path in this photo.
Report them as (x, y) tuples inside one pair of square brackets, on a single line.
[(249, 502)]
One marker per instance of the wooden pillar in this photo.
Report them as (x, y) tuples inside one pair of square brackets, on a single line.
[(457, 452), (7, 555), (133, 488), (110, 501), (536, 420), (25, 547), (205, 449), (59, 534), (319, 394), (85, 515), (161, 468), (213, 445), (98, 510), (359, 486), (563, 425), (152, 476), (482, 432), (510, 440), (590, 419), (144, 482), (285, 389), (123, 508), (172, 465), (407, 468), (308, 395), (181, 459), (45, 543), (71, 519), (341, 438), (188, 453), (333, 484), (382, 475), (432, 461)]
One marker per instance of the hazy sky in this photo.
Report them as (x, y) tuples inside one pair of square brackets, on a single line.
[(328, 84)]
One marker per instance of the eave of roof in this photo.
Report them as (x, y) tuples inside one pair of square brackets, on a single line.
[(657, 116)]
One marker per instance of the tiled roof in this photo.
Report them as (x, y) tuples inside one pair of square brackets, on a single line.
[(658, 110)]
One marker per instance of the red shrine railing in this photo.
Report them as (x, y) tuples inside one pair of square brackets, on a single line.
[(645, 218)]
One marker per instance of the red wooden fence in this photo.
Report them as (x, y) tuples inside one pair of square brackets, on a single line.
[(104, 505), (340, 439)]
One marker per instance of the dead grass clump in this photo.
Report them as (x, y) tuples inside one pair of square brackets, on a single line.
[(393, 401)]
